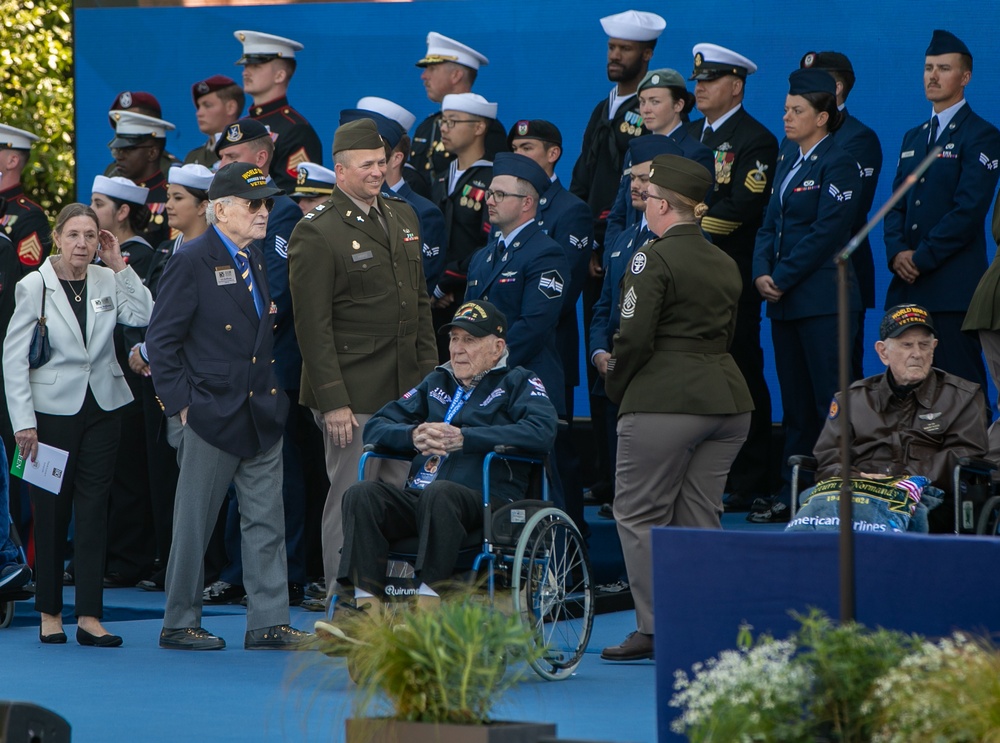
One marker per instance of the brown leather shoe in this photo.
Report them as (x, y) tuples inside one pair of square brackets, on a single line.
[(636, 646)]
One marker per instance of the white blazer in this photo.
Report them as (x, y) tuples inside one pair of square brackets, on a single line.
[(59, 387)]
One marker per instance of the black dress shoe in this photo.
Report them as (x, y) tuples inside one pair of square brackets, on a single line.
[(636, 646), (56, 638), (221, 592), (190, 638), (97, 641), (279, 637)]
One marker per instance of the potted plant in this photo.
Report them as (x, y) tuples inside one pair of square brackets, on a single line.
[(435, 674)]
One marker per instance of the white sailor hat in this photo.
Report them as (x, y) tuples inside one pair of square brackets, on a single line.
[(469, 103), (132, 128), (15, 139), (634, 25), (712, 61), (120, 188), (259, 47), (314, 180), (388, 109), (191, 175), (442, 49)]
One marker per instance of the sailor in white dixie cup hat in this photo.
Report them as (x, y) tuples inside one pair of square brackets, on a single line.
[(137, 148), (269, 64), (313, 186), (22, 220), (388, 109)]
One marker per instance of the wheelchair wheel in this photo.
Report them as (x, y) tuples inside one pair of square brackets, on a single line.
[(989, 518), (553, 591), (6, 613)]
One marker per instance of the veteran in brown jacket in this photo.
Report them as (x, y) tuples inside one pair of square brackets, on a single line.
[(684, 407), (362, 315), (912, 419)]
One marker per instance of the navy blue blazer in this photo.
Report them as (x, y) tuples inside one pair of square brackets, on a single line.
[(433, 234), (861, 143), (280, 223), (209, 351), (607, 309), (622, 214), (526, 282), (800, 237), (567, 220), (942, 217)]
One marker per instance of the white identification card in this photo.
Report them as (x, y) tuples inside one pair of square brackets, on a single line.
[(225, 276), (104, 304)]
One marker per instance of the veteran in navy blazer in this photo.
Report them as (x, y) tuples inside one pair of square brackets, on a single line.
[(210, 346), (809, 217), (935, 239)]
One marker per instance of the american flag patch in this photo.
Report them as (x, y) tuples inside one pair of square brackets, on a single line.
[(410, 394)]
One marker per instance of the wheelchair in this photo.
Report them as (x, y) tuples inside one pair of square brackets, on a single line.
[(8, 598), (532, 550), (976, 509)]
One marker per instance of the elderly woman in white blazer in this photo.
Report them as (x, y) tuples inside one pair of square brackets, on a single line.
[(70, 403)]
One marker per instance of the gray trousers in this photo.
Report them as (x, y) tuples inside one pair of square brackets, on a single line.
[(342, 471), (205, 474), (671, 471)]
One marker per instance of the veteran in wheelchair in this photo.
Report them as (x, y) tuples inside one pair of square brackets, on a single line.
[(450, 423), (911, 427)]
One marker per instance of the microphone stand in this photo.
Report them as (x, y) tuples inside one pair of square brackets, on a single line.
[(845, 343)]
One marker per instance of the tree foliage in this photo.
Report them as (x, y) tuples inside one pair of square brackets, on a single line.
[(36, 93)]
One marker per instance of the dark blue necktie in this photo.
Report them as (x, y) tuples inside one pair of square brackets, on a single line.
[(934, 131), (243, 264)]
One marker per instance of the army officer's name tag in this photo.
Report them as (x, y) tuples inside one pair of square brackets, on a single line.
[(225, 276), (104, 304), (362, 256)]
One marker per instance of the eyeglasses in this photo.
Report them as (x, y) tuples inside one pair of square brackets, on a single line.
[(499, 196), (254, 205), (452, 123), (646, 196)]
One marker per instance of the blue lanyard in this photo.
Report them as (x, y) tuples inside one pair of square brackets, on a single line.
[(457, 402)]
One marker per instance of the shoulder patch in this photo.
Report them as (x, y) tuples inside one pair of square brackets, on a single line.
[(834, 409), (638, 263), (550, 283), (538, 389)]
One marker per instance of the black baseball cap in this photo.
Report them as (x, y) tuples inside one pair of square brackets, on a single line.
[(901, 318), (478, 318), (243, 181)]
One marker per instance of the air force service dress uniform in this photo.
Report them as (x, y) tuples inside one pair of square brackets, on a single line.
[(428, 157), (684, 407), (942, 220), (745, 153), (21, 219), (808, 220), (295, 140), (210, 344), (362, 317)]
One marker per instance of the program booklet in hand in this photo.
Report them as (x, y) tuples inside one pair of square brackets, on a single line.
[(46, 471)]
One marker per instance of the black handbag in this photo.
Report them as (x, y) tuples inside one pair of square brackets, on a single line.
[(40, 351)]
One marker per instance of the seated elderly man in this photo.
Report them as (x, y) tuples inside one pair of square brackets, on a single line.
[(453, 419), (913, 422)]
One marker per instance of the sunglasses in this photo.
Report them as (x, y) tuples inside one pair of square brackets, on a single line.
[(254, 205)]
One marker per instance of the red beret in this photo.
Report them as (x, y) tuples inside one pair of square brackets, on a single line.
[(210, 85)]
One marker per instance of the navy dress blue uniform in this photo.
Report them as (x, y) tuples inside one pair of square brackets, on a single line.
[(745, 153), (211, 353), (433, 234), (802, 231), (942, 219), (430, 160), (295, 140), (25, 223), (526, 282), (862, 143), (622, 214)]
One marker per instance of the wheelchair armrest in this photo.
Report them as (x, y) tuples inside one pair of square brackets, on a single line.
[(804, 461), (385, 451), (976, 465), (514, 451)]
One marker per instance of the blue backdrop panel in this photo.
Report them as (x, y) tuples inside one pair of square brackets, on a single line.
[(547, 60), (707, 583)]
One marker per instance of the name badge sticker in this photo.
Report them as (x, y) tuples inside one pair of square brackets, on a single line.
[(224, 276), (104, 304)]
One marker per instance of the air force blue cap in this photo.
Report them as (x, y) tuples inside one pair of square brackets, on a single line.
[(807, 80), (519, 166), (389, 130), (945, 42), (243, 130), (643, 149)]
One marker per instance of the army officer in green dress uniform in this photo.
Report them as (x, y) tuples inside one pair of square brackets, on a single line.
[(684, 407)]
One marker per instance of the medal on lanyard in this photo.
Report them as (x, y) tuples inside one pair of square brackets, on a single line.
[(432, 465)]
